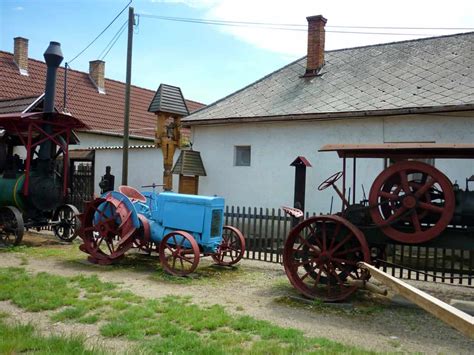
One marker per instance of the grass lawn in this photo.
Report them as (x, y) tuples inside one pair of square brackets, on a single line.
[(164, 325)]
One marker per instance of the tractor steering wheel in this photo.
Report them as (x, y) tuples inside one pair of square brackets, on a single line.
[(330, 181)]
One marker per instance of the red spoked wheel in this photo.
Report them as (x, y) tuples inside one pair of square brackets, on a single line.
[(412, 202), (321, 255), (232, 247), (106, 230), (179, 253)]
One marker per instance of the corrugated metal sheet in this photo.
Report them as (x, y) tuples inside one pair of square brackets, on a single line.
[(109, 147), (189, 163), (169, 99)]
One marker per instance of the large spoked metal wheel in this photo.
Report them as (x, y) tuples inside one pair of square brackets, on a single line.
[(232, 247), (69, 223), (412, 202), (179, 253), (11, 226), (321, 255), (106, 230)]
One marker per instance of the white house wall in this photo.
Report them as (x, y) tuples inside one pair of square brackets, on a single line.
[(269, 181), (145, 166)]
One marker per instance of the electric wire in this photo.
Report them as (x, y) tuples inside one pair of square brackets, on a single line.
[(112, 42), (101, 33), (70, 91), (288, 27)]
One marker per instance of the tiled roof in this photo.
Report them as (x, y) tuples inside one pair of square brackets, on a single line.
[(433, 72), (102, 112)]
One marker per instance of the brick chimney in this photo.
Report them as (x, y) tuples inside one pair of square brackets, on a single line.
[(316, 34), (20, 54), (97, 74)]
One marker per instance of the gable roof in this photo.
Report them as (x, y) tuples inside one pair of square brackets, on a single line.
[(425, 73), (102, 112), (189, 163), (169, 99)]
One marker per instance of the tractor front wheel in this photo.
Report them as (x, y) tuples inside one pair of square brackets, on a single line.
[(232, 247), (179, 253), (321, 255)]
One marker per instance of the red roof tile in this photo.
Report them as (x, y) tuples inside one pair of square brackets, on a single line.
[(101, 112)]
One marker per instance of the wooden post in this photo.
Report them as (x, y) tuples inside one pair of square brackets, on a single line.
[(131, 19), (168, 147), (447, 313)]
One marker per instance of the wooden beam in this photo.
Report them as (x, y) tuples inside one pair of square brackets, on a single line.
[(447, 313)]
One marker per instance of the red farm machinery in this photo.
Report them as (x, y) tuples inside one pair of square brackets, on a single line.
[(410, 203)]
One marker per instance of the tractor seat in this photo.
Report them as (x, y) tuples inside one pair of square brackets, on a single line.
[(132, 193)]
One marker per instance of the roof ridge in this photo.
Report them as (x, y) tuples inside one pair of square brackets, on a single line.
[(404, 41)]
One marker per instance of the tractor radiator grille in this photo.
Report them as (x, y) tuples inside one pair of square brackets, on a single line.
[(216, 222)]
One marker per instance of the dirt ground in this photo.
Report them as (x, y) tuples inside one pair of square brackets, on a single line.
[(262, 290)]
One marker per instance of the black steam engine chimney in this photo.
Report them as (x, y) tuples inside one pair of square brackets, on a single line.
[(53, 57), (45, 192)]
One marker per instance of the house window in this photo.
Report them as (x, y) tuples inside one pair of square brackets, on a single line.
[(242, 155)]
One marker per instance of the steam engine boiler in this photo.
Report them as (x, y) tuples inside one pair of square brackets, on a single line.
[(33, 188)]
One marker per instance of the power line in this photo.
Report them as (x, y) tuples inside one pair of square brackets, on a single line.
[(101, 33), (112, 42), (288, 26)]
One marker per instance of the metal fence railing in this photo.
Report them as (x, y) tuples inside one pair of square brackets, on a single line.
[(266, 230)]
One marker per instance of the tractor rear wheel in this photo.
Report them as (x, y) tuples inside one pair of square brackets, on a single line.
[(106, 230)]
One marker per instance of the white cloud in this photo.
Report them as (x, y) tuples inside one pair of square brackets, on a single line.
[(19, 8), (403, 13)]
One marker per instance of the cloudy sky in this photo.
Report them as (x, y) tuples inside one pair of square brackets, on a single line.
[(210, 61)]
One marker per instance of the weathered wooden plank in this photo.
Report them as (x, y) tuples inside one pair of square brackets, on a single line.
[(447, 313)]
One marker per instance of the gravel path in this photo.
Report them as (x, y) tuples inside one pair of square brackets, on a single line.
[(259, 290)]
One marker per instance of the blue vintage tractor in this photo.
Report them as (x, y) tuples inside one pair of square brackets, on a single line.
[(180, 228)]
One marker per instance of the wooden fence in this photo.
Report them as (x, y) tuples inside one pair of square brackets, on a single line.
[(266, 229)]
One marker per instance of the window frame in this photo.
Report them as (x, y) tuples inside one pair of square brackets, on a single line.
[(236, 154)]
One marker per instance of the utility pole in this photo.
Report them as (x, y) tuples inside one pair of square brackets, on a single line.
[(126, 120)]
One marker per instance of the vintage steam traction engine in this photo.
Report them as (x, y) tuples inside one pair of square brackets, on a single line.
[(33, 190), (181, 228), (410, 202)]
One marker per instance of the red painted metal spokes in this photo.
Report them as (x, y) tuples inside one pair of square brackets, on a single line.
[(179, 253), (413, 202), (106, 231), (232, 247), (320, 257)]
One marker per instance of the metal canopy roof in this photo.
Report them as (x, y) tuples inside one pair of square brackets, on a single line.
[(21, 120), (402, 150), (189, 163), (20, 104), (169, 99)]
